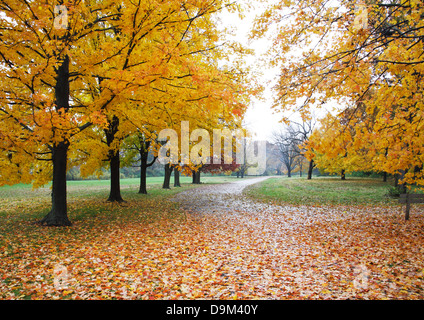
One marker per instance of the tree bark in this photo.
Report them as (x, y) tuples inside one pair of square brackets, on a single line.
[(176, 178), (167, 177), (115, 179), (196, 177), (384, 176), (58, 216), (343, 174), (144, 155), (402, 186), (310, 169), (114, 161), (143, 179)]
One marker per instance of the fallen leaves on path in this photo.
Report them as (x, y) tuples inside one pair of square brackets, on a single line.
[(250, 251)]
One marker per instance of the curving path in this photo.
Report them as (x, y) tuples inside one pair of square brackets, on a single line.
[(216, 198), (259, 249)]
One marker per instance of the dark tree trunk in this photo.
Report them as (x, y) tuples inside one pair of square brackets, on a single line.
[(384, 176), (115, 179), (115, 162), (193, 176), (176, 178), (289, 173), (343, 174), (144, 155), (197, 177), (143, 182), (310, 169), (167, 177), (238, 174), (58, 216), (401, 186)]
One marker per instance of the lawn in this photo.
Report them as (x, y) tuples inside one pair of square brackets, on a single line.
[(148, 248), (30, 254), (323, 191), (20, 195)]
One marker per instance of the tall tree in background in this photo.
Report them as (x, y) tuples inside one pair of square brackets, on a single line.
[(288, 147), (138, 148)]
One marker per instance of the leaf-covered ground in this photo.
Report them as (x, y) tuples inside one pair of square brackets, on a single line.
[(213, 243)]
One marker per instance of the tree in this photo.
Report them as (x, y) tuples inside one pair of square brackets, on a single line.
[(288, 147), (368, 55), (138, 148), (301, 132), (333, 146), (167, 176), (177, 177), (58, 93), (39, 78)]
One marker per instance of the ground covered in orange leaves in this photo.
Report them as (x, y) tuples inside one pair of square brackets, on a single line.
[(213, 243)]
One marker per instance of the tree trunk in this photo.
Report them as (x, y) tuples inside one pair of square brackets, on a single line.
[(310, 169), (343, 174), (384, 176), (402, 186), (167, 177), (288, 173), (198, 177), (176, 178), (115, 162), (143, 180), (144, 156), (58, 216), (115, 179)]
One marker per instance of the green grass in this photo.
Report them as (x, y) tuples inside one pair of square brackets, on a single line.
[(323, 191), (84, 197)]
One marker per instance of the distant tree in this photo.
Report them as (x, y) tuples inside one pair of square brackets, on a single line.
[(138, 150), (288, 148)]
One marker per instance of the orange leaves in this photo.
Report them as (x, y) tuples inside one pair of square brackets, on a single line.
[(365, 63), (151, 64), (233, 249)]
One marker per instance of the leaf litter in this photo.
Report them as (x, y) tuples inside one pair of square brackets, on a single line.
[(221, 246)]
